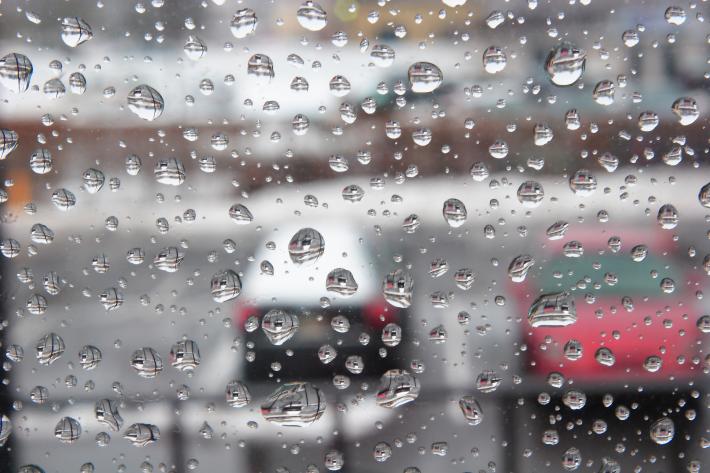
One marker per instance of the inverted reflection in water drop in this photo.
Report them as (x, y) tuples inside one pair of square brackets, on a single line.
[(145, 102), (397, 387), (296, 404), (16, 72), (75, 31)]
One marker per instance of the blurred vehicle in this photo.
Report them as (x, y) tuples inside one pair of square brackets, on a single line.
[(636, 311), (636, 303), (343, 325)]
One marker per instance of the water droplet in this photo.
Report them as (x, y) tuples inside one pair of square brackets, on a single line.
[(311, 16), (575, 400), (169, 259), (571, 459), (675, 15), (279, 326), (573, 350), (552, 310), (583, 183), (630, 38), (326, 354), (530, 194), (5, 429), (494, 60), (106, 412), (495, 19), (603, 92), (306, 246), (382, 55), (240, 214), (471, 410), (75, 31), (8, 142), (77, 83), (237, 394), (333, 460), (16, 72), (63, 199), (225, 286), (605, 357), (147, 362), (342, 282), (195, 48), (49, 348), (89, 357), (397, 387), (339, 86), (499, 149), (608, 161), (488, 381), (140, 434), (41, 234), (297, 404), (185, 355), (424, 77), (382, 452), (454, 212), (519, 267), (397, 288), (686, 109), (93, 180), (565, 64), (145, 102), (391, 335), (667, 217), (169, 171), (67, 430), (244, 23), (353, 193), (652, 363)]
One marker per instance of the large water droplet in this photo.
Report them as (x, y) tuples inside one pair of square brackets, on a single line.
[(424, 77), (49, 348), (397, 387), (67, 430), (185, 355), (141, 434), (397, 288), (471, 410), (530, 194), (454, 212), (311, 16), (342, 282), (519, 267), (297, 404), (244, 23), (237, 394), (565, 64), (195, 48), (279, 326), (169, 171), (147, 362), (494, 60), (686, 109), (667, 217), (75, 31), (552, 310), (146, 102), (8, 142), (306, 246), (16, 72), (225, 286), (106, 412)]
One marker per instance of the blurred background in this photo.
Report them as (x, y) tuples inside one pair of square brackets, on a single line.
[(368, 165)]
